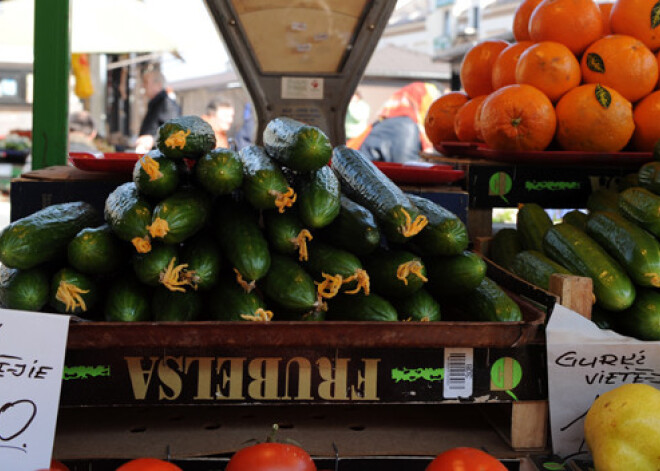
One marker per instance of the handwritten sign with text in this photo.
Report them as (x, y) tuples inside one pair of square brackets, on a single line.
[(585, 362), (32, 347)]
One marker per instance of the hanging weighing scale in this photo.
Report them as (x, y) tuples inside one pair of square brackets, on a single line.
[(301, 58)]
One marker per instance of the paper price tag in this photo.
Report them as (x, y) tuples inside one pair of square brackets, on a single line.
[(585, 362), (32, 347)]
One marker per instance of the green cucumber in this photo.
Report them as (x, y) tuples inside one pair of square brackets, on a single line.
[(489, 303), (458, 274), (180, 215), (283, 231), (642, 207), (354, 229), (577, 218), (358, 307), (26, 290), (236, 227), (363, 182), (536, 268), (296, 145), (642, 319), (72, 292), (383, 268), (649, 177), (603, 199), (203, 256), (155, 175), (149, 266), (186, 137), (324, 258), (602, 318), (318, 197), (180, 306), (419, 306), (44, 235), (229, 302), (630, 245), (504, 246), (532, 222), (289, 285), (129, 214), (264, 184), (128, 300), (219, 172), (583, 256), (96, 251), (445, 234)]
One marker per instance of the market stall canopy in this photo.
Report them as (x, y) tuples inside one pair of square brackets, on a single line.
[(97, 26)]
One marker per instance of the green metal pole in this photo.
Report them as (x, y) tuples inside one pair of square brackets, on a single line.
[(51, 83)]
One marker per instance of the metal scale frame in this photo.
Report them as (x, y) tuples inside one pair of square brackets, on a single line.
[(301, 58)]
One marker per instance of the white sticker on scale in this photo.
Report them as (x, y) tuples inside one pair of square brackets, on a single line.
[(32, 347), (306, 88), (459, 364)]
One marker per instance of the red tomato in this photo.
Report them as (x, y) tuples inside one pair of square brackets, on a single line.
[(465, 459), (148, 464), (271, 457)]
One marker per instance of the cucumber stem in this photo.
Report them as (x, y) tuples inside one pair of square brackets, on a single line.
[(329, 287), (260, 315), (284, 200), (70, 295), (142, 244), (413, 267), (151, 167), (178, 139), (248, 287), (301, 242), (362, 278)]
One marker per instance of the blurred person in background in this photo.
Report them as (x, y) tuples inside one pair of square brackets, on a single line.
[(357, 116), (245, 135), (161, 108), (220, 115), (398, 135), (82, 131)]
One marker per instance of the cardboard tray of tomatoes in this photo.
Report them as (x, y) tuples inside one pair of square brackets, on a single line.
[(479, 150)]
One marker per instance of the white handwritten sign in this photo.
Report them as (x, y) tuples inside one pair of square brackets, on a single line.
[(32, 347), (585, 362)]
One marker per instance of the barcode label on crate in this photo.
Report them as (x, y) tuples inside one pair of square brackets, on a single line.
[(459, 364)]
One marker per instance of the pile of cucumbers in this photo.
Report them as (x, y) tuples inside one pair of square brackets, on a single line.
[(291, 230), (615, 244)]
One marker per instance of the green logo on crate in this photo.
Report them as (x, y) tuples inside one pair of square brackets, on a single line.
[(500, 184), (411, 375), (505, 374), (84, 372)]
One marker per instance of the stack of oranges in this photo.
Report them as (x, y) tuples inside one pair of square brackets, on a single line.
[(581, 76)]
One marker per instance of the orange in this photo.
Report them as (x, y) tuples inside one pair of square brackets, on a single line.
[(504, 68), (574, 23), (594, 118), (464, 120), (605, 9), (549, 66), (657, 56), (477, 121), (518, 117), (623, 63), (521, 19), (148, 464), (647, 122), (639, 19), (439, 121), (477, 67)]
